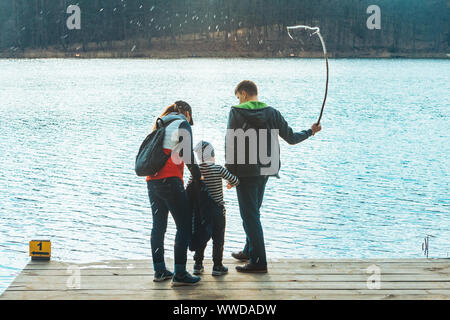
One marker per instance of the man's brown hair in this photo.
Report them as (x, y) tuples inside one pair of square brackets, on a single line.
[(247, 86)]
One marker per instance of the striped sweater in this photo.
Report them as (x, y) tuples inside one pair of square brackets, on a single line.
[(213, 175)]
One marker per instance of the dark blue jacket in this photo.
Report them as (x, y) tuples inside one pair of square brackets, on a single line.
[(203, 207), (256, 115)]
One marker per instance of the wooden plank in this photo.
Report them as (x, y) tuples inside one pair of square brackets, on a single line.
[(230, 260), (287, 279), (148, 263), (281, 268), (144, 282), (234, 276), (121, 264), (193, 294)]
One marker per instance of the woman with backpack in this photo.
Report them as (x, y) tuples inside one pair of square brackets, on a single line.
[(167, 193)]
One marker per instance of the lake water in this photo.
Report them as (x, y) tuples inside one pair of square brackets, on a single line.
[(372, 184)]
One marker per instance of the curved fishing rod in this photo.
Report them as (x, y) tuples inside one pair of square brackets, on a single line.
[(316, 31)]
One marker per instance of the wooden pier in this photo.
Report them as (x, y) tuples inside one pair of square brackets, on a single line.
[(286, 280)]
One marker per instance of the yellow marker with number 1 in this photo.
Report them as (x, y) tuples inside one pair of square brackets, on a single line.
[(40, 249)]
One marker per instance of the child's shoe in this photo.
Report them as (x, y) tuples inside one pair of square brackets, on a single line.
[(198, 269), (219, 270)]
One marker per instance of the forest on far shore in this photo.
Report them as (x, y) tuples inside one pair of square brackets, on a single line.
[(141, 28)]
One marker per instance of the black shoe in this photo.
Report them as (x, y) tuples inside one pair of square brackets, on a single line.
[(162, 276), (184, 279), (251, 268), (241, 256), (219, 270), (198, 269)]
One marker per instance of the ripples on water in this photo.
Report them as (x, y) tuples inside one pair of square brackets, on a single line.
[(372, 184)]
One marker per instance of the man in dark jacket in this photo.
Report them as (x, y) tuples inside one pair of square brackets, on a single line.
[(252, 154)]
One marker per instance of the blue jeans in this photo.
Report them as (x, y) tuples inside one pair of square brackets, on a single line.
[(169, 195), (250, 193)]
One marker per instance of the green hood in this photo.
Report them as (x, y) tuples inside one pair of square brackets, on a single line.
[(252, 105)]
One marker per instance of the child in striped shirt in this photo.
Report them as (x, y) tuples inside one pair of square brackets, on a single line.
[(213, 175)]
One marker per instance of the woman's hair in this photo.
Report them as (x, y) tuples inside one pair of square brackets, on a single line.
[(178, 107)]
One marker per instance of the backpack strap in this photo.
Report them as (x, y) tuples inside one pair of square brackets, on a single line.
[(160, 122)]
